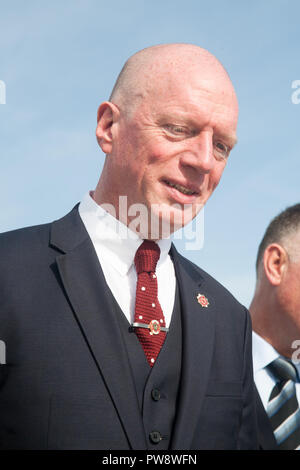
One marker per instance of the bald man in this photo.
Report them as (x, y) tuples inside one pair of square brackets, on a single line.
[(276, 323), (114, 340)]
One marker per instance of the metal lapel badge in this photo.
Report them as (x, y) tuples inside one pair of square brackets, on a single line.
[(202, 300)]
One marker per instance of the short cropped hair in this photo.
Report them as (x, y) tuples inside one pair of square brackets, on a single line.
[(283, 225)]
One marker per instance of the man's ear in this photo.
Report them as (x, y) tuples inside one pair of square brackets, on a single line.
[(108, 114), (275, 263)]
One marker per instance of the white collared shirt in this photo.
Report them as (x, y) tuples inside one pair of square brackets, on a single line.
[(264, 354), (116, 245)]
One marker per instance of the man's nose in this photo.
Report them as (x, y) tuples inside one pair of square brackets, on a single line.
[(200, 153)]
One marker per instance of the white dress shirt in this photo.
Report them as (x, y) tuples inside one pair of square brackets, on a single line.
[(116, 245), (263, 354)]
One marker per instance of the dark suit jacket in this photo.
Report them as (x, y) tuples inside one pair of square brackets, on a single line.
[(67, 383)]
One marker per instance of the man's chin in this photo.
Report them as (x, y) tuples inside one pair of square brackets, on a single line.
[(158, 220), (167, 219)]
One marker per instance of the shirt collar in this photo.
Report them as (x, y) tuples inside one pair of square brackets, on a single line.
[(264, 353), (116, 241)]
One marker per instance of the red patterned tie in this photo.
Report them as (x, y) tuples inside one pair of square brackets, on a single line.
[(149, 321)]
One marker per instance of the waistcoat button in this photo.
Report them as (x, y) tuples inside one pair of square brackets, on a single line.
[(155, 393), (155, 437)]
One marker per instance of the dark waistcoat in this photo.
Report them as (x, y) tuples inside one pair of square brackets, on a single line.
[(157, 387)]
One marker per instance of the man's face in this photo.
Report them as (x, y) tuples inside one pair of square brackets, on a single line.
[(172, 149), (288, 291)]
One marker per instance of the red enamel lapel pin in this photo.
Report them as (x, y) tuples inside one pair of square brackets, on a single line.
[(202, 300)]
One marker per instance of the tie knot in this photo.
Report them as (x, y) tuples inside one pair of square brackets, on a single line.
[(146, 257), (283, 369)]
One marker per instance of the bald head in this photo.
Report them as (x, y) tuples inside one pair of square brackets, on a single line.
[(151, 69)]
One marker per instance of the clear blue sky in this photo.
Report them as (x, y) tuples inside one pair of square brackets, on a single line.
[(60, 59)]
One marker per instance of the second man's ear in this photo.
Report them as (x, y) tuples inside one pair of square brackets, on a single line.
[(275, 259), (107, 116)]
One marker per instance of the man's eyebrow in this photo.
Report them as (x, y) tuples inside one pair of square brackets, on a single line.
[(231, 139), (180, 118)]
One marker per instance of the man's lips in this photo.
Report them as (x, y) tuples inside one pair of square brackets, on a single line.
[(186, 189)]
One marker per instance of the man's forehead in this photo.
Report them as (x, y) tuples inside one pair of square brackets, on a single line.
[(190, 100), (188, 84)]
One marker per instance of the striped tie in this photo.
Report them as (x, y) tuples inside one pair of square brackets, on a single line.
[(283, 409)]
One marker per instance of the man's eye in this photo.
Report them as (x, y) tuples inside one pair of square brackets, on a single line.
[(221, 149), (178, 130)]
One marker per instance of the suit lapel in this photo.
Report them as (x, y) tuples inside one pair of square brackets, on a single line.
[(88, 293), (198, 341)]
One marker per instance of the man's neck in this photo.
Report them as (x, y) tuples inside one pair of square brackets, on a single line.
[(274, 326)]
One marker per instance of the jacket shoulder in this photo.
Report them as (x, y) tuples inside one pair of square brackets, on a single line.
[(19, 242), (24, 238)]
